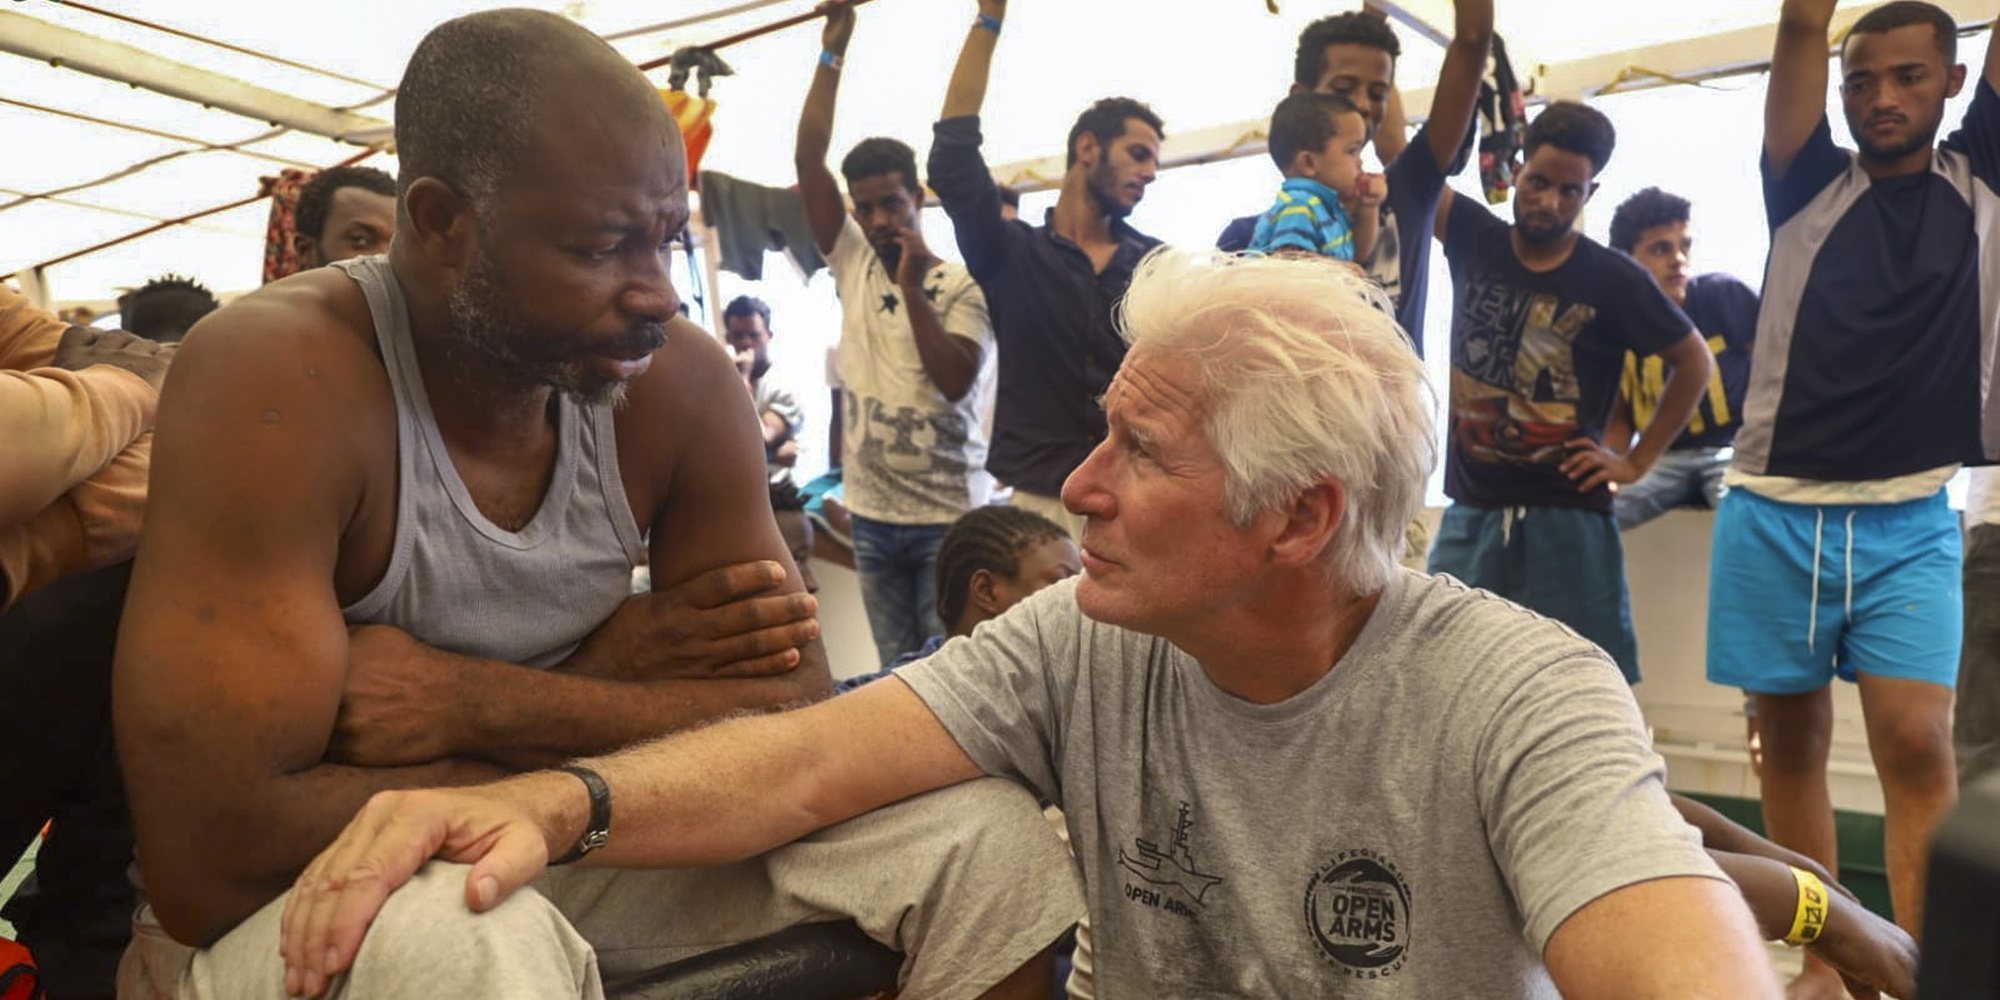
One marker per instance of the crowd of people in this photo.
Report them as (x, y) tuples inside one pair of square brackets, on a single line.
[(1139, 535)]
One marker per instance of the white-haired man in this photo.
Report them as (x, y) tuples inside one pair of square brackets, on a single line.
[(1287, 764)]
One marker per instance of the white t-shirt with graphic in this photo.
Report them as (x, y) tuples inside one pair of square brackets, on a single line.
[(909, 455), (1414, 825)]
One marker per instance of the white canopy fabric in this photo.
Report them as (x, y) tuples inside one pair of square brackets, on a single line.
[(1203, 64)]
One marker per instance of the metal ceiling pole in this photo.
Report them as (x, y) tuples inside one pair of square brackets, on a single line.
[(201, 144), (744, 36), (180, 220), (688, 22), (66, 47), (126, 171), (218, 43), (78, 203)]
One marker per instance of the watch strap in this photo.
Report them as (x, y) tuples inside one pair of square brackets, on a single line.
[(597, 832)]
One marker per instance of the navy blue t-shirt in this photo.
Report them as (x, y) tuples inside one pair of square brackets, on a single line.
[(1725, 311), (1536, 358), (1403, 252), (1879, 305)]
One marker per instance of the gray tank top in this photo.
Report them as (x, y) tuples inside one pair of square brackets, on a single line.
[(459, 582)]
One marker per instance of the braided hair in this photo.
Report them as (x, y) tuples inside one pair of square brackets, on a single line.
[(988, 538)]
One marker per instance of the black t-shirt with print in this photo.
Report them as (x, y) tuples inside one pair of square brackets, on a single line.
[(1536, 358)]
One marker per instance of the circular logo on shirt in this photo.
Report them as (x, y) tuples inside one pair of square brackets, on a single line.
[(1357, 908)]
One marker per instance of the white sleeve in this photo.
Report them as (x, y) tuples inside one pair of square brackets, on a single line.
[(850, 247)]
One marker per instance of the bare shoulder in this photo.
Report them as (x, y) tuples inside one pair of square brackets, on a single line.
[(301, 347), (284, 382), (319, 316), (686, 371), (680, 410), (315, 322)]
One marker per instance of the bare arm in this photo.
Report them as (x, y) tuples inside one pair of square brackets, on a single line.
[(1795, 100), (715, 511), (725, 792), (817, 187), (1616, 945), (1720, 833), (809, 769), (1592, 464), (775, 428), (1394, 132), (1367, 229), (966, 93), (1872, 953), (951, 362), (1992, 70), (1618, 432), (835, 447), (958, 171), (1458, 80), (1366, 211), (231, 658), (1691, 361)]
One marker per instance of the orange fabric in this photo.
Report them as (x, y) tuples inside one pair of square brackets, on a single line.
[(281, 260), (696, 117), (77, 448), (19, 979), (59, 426), (92, 526)]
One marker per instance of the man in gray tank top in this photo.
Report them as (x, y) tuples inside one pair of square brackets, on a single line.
[(1289, 767), (396, 506)]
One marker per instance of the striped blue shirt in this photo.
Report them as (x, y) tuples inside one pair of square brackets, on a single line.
[(1307, 216)]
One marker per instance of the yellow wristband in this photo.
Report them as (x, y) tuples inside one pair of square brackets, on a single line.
[(1811, 917)]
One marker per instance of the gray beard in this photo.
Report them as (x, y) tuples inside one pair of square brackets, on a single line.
[(486, 339)]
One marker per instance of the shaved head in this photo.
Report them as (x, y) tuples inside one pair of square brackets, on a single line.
[(482, 92), (543, 182)]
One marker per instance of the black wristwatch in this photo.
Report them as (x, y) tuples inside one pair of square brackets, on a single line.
[(598, 832)]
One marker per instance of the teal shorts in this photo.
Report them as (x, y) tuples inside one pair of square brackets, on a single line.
[(1561, 562), (1800, 594)]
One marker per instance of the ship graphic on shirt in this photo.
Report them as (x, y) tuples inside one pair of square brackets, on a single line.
[(1173, 866)]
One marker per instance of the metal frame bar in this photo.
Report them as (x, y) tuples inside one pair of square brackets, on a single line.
[(1689, 60), (37, 39), (201, 144), (226, 46)]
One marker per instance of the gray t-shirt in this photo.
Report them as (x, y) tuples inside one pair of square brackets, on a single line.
[(1414, 825)]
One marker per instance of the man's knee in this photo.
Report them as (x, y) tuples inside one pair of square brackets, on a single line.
[(426, 925), (426, 942), (1912, 747), (993, 884), (1796, 731)]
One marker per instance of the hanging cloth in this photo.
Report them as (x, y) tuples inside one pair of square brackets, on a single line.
[(750, 218), (696, 117), (281, 260), (1503, 111)]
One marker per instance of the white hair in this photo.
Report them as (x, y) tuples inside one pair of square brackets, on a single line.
[(1307, 378)]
